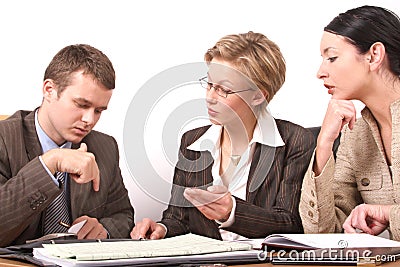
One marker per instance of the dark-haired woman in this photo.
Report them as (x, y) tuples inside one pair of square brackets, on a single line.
[(361, 190)]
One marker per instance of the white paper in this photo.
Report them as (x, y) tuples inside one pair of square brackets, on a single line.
[(74, 229), (250, 255), (170, 250)]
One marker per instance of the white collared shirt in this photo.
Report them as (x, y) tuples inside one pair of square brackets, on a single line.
[(265, 132)]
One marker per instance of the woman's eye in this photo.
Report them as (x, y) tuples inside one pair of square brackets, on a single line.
[(332, 59), (225, 90)]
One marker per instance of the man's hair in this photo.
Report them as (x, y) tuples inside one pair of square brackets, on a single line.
[(254, 55), (80, 57)]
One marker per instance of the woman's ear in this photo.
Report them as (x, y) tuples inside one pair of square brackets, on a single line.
[(376, 55), (259, 97)]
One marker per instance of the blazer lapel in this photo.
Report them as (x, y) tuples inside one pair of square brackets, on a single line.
[(207, 163), (78, 193), (32, 144), (262, 161)]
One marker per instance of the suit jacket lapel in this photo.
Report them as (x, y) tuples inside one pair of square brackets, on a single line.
[(208, 162), (32, 144), (260, 166), (78, 193)]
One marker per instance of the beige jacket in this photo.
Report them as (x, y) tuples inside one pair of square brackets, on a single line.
[(360, 175)]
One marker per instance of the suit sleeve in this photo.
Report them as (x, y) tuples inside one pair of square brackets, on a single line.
[(24, 193), (255, 221), (394, 222), (175, 217), (328, 199)]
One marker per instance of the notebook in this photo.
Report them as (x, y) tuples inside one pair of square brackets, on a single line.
[(145, 252)]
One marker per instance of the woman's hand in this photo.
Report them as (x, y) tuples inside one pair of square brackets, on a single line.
[(371, 219), (338, 114), (215, 202)]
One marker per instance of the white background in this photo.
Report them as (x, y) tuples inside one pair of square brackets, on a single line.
[(143, 38)]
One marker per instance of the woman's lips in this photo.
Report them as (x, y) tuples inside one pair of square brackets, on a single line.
[(330, 88), (212, 112)]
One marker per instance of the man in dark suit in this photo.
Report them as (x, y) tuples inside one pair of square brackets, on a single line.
[(241, 176), (56, 140)]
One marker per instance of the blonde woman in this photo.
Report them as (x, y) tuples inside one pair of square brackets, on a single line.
[(241, 175)]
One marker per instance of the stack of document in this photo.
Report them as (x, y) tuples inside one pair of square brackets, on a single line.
[(141, 252)]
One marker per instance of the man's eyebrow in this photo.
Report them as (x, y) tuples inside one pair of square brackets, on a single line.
[(87, 102), (81, 99)]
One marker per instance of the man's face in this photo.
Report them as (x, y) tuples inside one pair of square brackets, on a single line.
[(71, 115)]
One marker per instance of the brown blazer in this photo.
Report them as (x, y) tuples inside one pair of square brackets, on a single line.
[(272, 193), (26, 188)]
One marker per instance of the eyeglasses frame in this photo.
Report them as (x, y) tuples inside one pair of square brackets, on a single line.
[(219, 90)]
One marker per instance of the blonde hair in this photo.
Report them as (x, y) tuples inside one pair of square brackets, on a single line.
[(257, 57)]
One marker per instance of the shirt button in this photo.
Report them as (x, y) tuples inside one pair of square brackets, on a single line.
[(365, 181), (312, 204), (312, 193), (310, 214)]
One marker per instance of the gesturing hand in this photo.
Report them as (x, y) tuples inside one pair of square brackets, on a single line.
[(80, 164), (215, 203)]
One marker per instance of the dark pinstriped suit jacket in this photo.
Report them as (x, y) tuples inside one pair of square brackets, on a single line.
[(272, 193), (26, 188)]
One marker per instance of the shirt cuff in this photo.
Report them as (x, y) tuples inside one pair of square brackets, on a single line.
[(48, 171), (231, 218), (165, 228)]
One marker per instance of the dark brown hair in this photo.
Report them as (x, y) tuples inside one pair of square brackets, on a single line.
[(363, 26), (80, 57)]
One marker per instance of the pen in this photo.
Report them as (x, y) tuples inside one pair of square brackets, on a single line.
[(64, 224)]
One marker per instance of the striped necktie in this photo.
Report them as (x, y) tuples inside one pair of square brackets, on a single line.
[(57, 211)]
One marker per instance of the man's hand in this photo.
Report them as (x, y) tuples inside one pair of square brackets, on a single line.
[(371, 219), (148, 229), (80, 164), (92, 229), (215, 203)]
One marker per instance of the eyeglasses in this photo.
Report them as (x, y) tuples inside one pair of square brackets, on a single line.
[(219, 89)]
